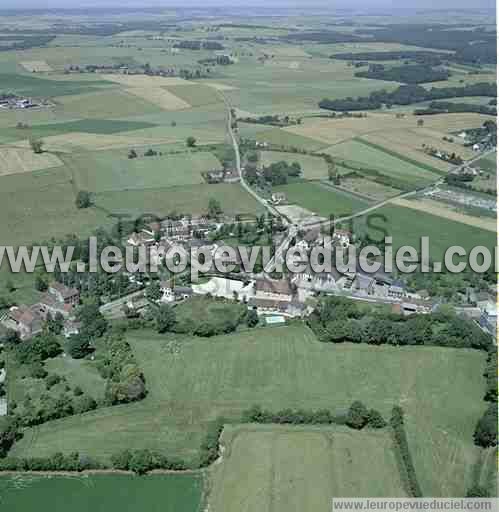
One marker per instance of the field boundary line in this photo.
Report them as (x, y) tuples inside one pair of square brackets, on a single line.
[(404, 158)]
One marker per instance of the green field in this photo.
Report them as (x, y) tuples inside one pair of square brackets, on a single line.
[(361, 155), (279, 137), (183, 199), (40, 205), (100, 126), (313, 167), (407, 226), (440, 390), (114, 103), (40, 87), (102, 493), (322, 199), (102, 171), (280, 469)]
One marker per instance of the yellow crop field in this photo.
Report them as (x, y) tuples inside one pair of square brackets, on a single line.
[(159, 96), (454, 122), (144, 80), (153, 89), (333, 131), (17, 160)]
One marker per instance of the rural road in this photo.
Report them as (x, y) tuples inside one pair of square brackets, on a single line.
[(235, 144), (294, 228)]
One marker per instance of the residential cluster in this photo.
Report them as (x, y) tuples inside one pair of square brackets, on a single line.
[(59, 300)]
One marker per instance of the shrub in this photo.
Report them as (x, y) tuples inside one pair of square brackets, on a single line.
[(403, 453), (358, 416), (52, 380), (486, 428)]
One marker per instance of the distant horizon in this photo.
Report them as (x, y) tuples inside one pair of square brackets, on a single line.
[(362, 5)]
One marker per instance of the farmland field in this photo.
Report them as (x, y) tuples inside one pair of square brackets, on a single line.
[(407, 226), (99, 126), (273, 468), (280, 137), (447, 212), (187, 199), (37, 206), (439, 388), (102, 493), (101, 171), (322, 199), (367, 188), (101, 104), (362, 155), (313, 167), (14, 160), (36, 86)]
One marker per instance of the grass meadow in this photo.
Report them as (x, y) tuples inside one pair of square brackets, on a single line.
[(186, 199), (99, 126), (440, 389), (361, 155), (278, 469), (407, 226), (112, 170), (322, 199), (39, 205)]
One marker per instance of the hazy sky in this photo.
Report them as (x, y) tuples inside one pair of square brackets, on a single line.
[(438, 4)]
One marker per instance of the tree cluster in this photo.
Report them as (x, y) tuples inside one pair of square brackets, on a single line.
[(337, 320), (125, 380), (278, 173)]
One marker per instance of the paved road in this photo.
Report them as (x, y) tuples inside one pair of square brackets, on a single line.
[(235, 144)]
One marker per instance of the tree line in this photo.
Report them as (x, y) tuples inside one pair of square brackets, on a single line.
[(412, 74), (440, 107), (403, 452), (406, 95), (421, 57), (357, 417)]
